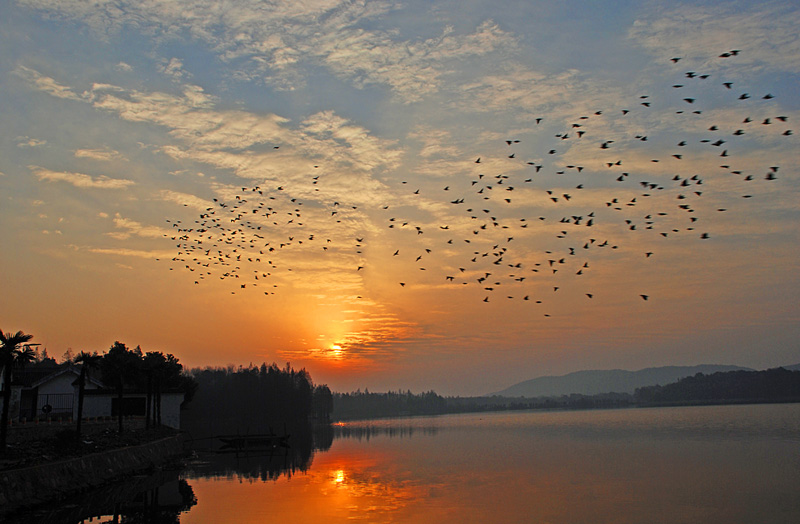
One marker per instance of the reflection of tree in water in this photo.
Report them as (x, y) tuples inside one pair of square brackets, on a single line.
[(157, 499), (251, 464), (160, 505), (265, 463), (368, 431)]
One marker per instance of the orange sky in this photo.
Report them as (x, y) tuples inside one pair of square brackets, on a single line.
[(156, 162)]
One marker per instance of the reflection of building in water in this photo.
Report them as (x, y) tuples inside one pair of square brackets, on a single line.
[(156, 499)]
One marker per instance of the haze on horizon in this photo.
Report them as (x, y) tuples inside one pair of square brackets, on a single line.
[(246, 181)]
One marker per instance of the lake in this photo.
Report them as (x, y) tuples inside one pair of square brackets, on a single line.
[(711, 464)]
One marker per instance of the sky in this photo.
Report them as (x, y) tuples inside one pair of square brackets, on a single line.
[(453, 195)]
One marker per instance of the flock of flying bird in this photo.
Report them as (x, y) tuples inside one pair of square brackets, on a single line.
[(494, 215)]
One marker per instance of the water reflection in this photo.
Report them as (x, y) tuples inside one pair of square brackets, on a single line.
[(255, 465), (687, 465), (144, 499), (342, 485), (366, 431)]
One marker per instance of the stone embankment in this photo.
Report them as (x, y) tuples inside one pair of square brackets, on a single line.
[(31, 486)]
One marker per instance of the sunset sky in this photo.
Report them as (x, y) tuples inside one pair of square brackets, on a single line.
[(450, 195)]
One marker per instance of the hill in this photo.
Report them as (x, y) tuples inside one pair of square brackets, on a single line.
[(608, 381), (772, 385)]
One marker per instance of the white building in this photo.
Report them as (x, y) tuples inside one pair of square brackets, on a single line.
[(53, 393)]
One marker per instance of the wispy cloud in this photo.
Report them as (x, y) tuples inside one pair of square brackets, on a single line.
[(45, 83), (412, 69), (184, 199), (99, 154), (26, 141), (437, 143), (277, 40), (765, 33), (123, 252), (130, 228), (174, 69), (79, 179)]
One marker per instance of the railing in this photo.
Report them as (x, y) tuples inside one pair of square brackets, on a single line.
[(54, 404)]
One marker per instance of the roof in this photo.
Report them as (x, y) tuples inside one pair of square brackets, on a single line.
[(130, 391), (36, 377)]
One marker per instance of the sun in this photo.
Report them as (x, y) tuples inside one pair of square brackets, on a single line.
[(336, 349)]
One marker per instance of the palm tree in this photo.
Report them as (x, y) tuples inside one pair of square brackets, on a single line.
[(162, 372), (152, 364), (11, 353), (88, 361), (120, 365)]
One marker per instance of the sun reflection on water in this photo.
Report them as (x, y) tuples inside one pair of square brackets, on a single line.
[(338, 477)]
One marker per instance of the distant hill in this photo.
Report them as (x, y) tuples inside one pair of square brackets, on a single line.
[(795, 367), (771, 385), (609, 381)]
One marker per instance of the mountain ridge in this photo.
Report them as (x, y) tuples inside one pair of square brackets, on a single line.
[(593, 382)]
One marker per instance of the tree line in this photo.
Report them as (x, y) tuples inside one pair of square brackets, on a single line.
[(356, 405), (366, 405), (254, 399), (773, 385)]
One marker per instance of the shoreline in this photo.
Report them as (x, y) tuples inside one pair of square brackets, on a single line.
[(566, 407), (32, 486)]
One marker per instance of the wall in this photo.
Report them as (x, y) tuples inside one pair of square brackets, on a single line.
[(171, 409), (100, 406), (55, 481), (59, 385), (94, 406)]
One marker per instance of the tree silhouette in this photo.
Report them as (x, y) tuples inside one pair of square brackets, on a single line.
[(152, 365), (322, 403), (161, 372), (88, 361), (12, 352), (120, 365), (248, 399)]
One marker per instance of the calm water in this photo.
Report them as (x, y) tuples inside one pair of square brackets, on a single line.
[(721, 464)]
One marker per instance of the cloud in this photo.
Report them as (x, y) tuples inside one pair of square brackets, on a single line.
[(123, 252), (411, 69), (257, 146), (766, 34), (530, 94), (436, 142), (174, 69), (26, 141), (45, 83), (99, 154), (80, 179), (133, 228), (184, 199), (373, 335), (275, 41), (122, 66)]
